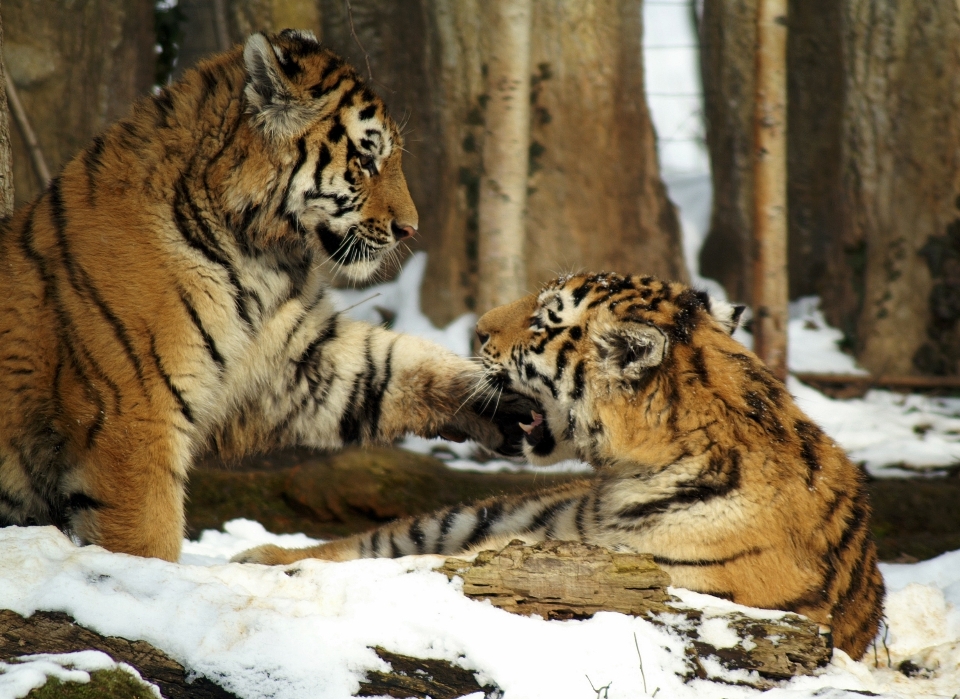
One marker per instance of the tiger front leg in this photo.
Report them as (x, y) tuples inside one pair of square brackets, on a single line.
[(359, 384), (129, 499)]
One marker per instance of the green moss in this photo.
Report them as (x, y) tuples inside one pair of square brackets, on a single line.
[(103, 684)]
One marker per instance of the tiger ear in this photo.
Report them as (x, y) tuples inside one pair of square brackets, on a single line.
[(727, 314), (628, 350), (270, 92)]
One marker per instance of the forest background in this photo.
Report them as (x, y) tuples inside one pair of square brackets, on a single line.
[(873, 137)]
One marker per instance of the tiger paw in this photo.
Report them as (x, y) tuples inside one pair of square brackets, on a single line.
[(268, 554)]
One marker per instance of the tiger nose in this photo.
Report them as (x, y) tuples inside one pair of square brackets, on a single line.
[(482, 337), (402, 232)]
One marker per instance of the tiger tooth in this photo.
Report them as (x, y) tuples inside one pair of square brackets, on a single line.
[(526, 428)]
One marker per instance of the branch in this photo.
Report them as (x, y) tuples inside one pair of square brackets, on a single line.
[(20, 115), (353, 32)]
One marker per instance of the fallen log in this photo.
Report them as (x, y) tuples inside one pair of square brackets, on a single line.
[(420, 679), (566, 580), (857, 385), (56, 632)]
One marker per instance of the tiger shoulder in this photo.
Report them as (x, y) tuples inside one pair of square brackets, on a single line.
[(701, 456)]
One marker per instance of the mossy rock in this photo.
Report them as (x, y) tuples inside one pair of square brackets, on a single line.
[(103, 684)]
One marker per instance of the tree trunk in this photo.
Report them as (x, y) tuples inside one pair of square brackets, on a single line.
[(770, 187), (728, 31), (594, 199), (873, 170), (597, 201), (6, 156), (505, 161), (77, 67), (900, 179)]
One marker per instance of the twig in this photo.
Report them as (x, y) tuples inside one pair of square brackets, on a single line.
[(36, 155), (353, 32), (605, 688), (637, 645), (220, 24), (358, 303)]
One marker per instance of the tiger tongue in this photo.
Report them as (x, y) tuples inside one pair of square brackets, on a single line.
[(534, 431)]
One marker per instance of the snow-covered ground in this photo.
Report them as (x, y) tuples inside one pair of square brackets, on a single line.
[(261, 632)]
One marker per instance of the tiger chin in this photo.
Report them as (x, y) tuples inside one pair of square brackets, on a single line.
[(701, 456), (168, 295)]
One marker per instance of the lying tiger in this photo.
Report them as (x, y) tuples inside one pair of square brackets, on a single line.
[(702, 458)]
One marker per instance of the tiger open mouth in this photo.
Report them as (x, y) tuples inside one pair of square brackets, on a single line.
[(533, 432)]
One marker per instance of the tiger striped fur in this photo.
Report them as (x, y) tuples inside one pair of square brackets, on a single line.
[(702, 458), (168, 295)]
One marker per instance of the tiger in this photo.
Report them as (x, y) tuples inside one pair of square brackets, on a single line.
[(169, 296), (700, 456)]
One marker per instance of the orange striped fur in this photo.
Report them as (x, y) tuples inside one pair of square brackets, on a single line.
[(702, 458), (168, 295)]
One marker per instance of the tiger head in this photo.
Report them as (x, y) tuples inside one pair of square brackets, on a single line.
[(617, 364), (335, 184)]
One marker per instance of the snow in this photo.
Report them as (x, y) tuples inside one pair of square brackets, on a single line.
[(307, 630)]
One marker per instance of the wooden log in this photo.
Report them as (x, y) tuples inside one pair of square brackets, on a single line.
[(416, 677), (856, 385), (566, 580), (56, 632), (563, 580)]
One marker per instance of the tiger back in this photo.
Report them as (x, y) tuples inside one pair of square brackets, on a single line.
[(702, 458), (167, 295)]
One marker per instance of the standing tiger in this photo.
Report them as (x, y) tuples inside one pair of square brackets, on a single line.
[(168, 294), (701, 456)]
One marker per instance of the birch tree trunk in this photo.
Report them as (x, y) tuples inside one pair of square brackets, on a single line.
[(770, 187), (506, 143)]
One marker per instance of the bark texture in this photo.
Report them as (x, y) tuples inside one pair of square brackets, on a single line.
[(594, 200), (77, 67), (900, 181), (336, 494)]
